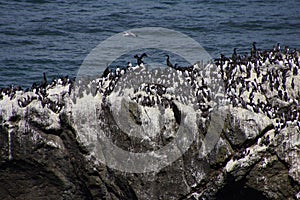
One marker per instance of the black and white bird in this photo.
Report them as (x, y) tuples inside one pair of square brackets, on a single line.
[(106, 72)]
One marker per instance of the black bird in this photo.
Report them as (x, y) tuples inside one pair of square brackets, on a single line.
[(286, 98), (234, 56), (295, 71), (169, 64), (106, 72), (44, 82), (254, 50), (34, 86), (176, 66), (139, 59)]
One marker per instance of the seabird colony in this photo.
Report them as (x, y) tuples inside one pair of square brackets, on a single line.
[(265, 82)]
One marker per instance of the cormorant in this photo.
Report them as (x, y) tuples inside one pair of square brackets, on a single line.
[(254, 50), (139, 59), (169, 64), (44, 82)]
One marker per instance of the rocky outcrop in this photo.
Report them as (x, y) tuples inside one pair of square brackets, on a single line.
[(122, 137)]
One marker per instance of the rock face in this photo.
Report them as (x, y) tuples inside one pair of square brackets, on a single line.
[(235, 146)]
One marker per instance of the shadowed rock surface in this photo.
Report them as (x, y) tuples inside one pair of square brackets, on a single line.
[(50, 147)]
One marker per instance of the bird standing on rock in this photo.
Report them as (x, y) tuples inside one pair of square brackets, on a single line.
[(254, 50), (106, 72), (44, 82), (234, 56), (169, 64)]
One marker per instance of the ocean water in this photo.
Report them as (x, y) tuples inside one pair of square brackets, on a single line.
[(55, 36)]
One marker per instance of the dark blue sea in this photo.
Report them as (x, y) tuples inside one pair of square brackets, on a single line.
[(55, 36)]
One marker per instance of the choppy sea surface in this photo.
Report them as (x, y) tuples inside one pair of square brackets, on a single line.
[(55, 36)]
